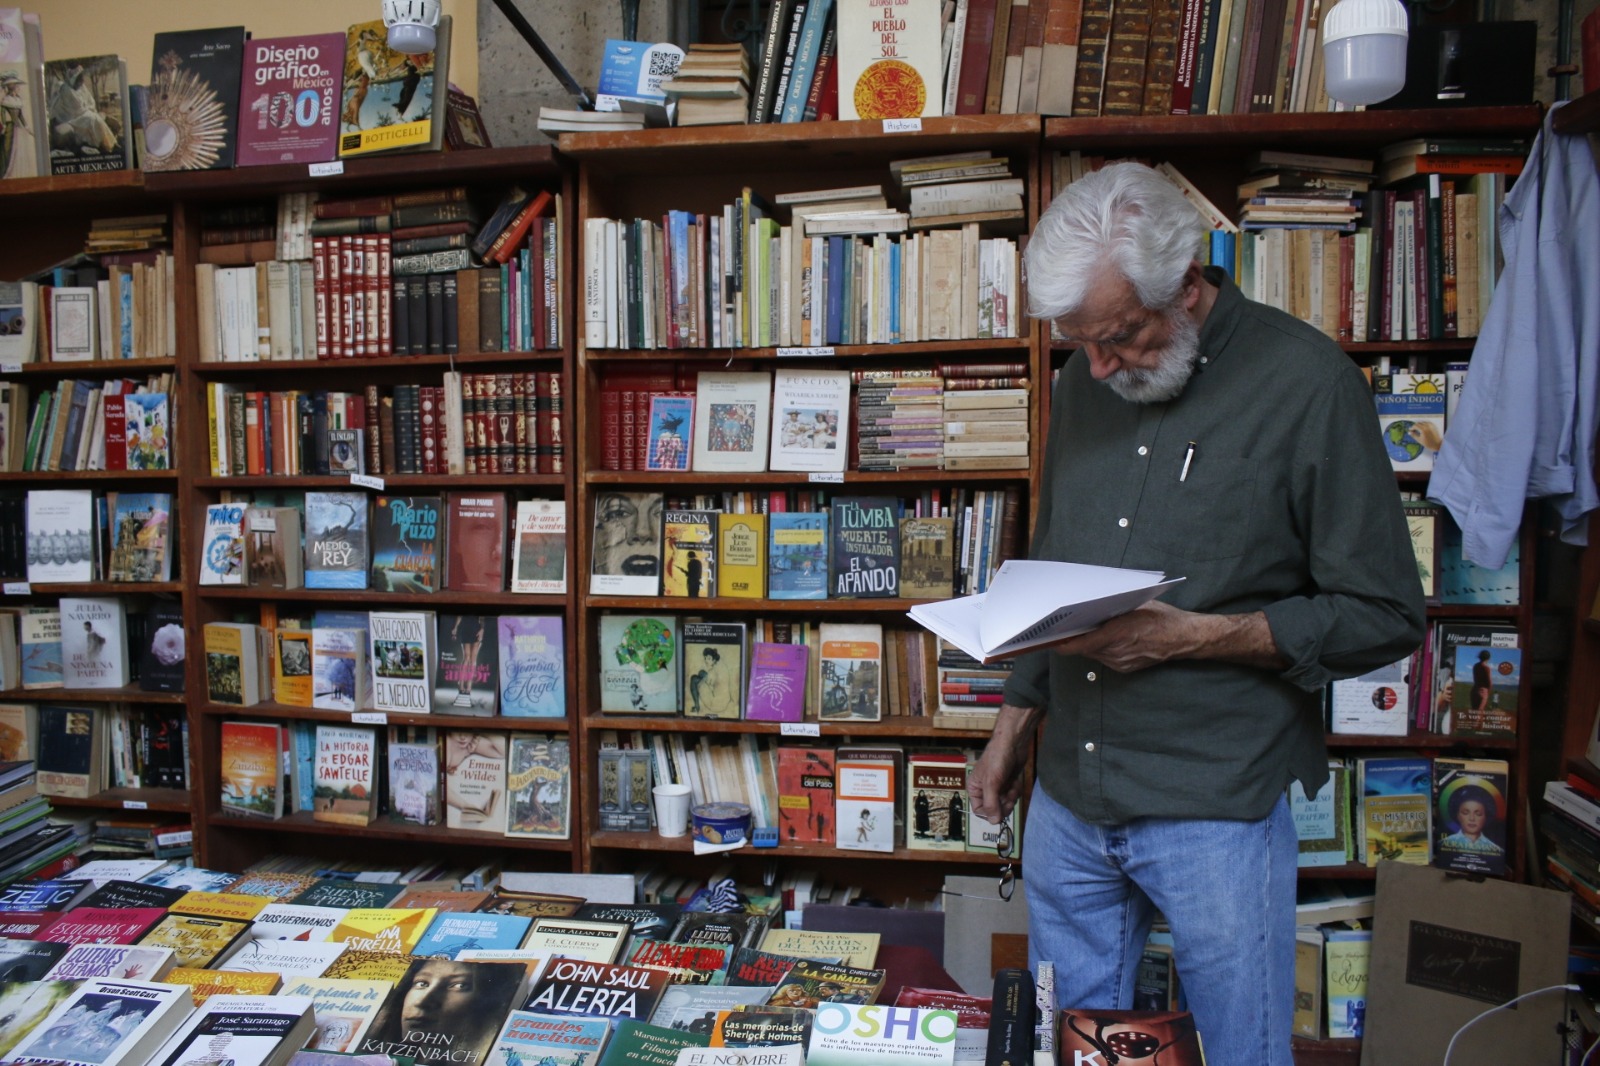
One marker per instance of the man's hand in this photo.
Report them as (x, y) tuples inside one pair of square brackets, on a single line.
[(1158, 633), (995, 781)]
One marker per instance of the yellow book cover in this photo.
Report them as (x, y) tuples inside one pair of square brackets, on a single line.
[(395, 929), (742, 555), (239, 907), (391, 100), (889, 59), (855, 949), (203, 984), (224, 664), (195, 941), (251, 773), (689, 555), (356, 965), (291, 668)]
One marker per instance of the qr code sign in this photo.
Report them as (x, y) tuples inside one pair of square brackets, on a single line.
[(663, 64)]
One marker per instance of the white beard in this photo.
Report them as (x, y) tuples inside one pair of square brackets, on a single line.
[(1173, 369)]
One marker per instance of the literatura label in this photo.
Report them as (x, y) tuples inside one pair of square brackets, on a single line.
[(805, 353), (367, 481), (327, 170), (135, 805), (369, 718), (902, 125), (827, 477), (799, 729), (18, 588), (10, 368)]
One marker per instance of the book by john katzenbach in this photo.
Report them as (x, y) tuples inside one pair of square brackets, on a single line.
[(1035, 602)]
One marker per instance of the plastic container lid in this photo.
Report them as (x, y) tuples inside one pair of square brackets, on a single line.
[(1354, 18)]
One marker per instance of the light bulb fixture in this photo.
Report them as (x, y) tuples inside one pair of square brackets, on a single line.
[(411, 25), (1364, 50)]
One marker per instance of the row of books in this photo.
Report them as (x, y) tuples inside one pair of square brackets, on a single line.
[(859, 547), (407, 544), (1450, 812), (117, 424), (411, 662), (85, 642), (741, 278), (1569, 827), (123, 309), (79, 752), (77, 535), (468, 424), (667, 418), (514, 785)]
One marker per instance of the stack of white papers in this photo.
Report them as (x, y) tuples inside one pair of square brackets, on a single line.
[(1033, 602)]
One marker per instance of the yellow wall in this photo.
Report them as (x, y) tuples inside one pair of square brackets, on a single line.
[(125, 27)]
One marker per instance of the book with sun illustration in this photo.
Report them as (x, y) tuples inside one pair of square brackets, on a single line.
[(391, 100), (191, 119), (1411, 410)]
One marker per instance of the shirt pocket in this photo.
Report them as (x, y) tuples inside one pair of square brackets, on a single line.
[(1207, 515)]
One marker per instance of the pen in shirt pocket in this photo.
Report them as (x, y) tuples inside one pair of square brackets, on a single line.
[(1188, 458)]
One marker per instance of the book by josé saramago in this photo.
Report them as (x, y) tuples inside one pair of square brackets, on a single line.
[(1034, 602)]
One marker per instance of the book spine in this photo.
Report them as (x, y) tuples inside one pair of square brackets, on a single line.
[(1161, 60), (771, 51), (1094, 35)]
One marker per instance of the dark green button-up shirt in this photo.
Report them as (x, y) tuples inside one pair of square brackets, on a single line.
[(1289, 507)]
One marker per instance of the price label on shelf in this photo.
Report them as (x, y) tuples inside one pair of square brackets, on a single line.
[(827, 477), (369, 718), (327, 170), (135, 805), (799, 729), (902, 125), (263, 521), (805, 353), (10, 368), (18, 588), (367, 481)]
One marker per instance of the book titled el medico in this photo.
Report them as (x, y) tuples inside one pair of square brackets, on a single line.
[(1031, 603)]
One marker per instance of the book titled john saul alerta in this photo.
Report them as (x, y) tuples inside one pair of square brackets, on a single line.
[(192, 105), (289, 109)]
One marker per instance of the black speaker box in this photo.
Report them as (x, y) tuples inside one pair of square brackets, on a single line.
[(1469, 64)]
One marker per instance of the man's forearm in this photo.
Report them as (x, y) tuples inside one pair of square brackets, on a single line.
[(1014, 726), (1245, 639)]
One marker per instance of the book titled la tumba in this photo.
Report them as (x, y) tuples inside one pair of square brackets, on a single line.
[(1035, 602)]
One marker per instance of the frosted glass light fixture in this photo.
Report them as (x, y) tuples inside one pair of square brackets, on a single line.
[(411, 24), (1364, 50)]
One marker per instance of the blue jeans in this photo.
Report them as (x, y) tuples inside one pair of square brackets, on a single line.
[(1227, 889)]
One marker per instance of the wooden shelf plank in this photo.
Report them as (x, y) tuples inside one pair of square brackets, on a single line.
[(622, 841), (98, 588), (89, 475), (498, 723), (164, 800), (1579, 116), (1350, 871), (901, 726), (118, 367), (396, 599), (1421, 740), (536, 163), (682, 603), (88, 695), (1507, 612), (1322, 130), (910, 352), (391, 482), (55, 192), (797, 480), (463, 361), (381, 829)]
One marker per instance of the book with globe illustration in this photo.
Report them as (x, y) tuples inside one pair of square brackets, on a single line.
[(191, 117), (392, 101), (1411, 418), (639, 663)]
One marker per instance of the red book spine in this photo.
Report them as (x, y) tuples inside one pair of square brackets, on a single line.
[(536, 269), (358, 296), (521, 410), (505, 418), (431, 400), (973, 80), (641, 428), (1347, 284), (1188, 55), (375, 296), (626, 401), (341, 288), (1447, 203), (319, 288), (610, 428), (1419, 261), (489, 463), (254, 438), (115, 414)]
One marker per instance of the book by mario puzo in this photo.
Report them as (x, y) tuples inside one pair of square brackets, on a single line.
[(1035, 602)]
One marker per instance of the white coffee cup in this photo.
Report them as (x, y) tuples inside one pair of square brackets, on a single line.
[(672, 809)]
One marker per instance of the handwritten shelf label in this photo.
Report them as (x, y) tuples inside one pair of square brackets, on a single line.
[(902, 125), (367, 481), (370, 718), (327, 170), (806, 353), (799, 729), (18, 588), (135, 805), (827, 477)]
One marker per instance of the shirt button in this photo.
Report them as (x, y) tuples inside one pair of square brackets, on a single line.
[(1203, 359), (1089, 746), (1123, 522), (1143, 450), (1090, 675)]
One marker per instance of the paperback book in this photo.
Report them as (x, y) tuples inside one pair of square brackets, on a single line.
[(87, 101), (811, 420), (797, 555), (866, 547), (475, 781), (191, 111), (336, 540), (731, 414), (849, 671), (533, 660), (60, 535), (461, 1034), (94, 642), (140, 535), (689, 554), (414, 775), (392, 101), (777, 682), (539, 787), (713, 669), (289, 111), (406, 532), (467, 680), (402, 654), (346, 775), (339, 669), (639, 663), (627, 544), (540, 563), (222, 554)]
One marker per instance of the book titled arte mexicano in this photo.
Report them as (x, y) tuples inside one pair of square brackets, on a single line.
[(1034, 602)]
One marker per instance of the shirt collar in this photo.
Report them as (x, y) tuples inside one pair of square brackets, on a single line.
[(1222, 319)]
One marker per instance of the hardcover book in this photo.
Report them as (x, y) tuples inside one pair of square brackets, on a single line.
[(69, 758), (291, 668), (713, 669), (539, 787), (450, 934), (147, 1013), (402, 651), (406, 543), (195, 941), (343, 1008), (741, 555), (94, 643), (777, 682), (222, 554), (805, 794), (849, 671), (476, 542), (578, 986), (810, 420), (414, 776), (689, 554), (894, 75), (127, 962), (348, 895), (392, 101), (140, 536), (866, 547), (392, 929), (731, 414), (162, 651), (627, 544), (336, 540), (927, 558), (639, 663), (467, 680), (346, 775), (191, 111), (295, 921), (533, 666), (60, 535), (461, 1031), (252, 769), (578, 938), (289, 111), (87, 101), (540, 564), (475, 781), (339, 669)]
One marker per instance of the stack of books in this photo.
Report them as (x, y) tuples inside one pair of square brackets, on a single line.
[(557, 120), (712, 85), (1295, 190)]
